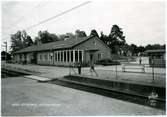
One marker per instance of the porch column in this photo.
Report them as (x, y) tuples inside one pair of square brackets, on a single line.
[(60, 55), (66, 56), (69, 55), (82, 55), (78, 56), (63, 56)]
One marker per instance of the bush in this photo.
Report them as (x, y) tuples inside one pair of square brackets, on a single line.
[(107, 62)]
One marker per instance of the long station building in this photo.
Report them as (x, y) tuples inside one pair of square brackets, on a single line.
[(65, 53)]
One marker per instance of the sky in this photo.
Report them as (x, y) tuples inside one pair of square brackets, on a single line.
[(142, 22)]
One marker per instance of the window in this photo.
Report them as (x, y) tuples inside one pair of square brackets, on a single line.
[(58, 56), (61, 55), (76, 56), (100, 55), (43, 57), (64, 56), (71, 56), (46, 57), (55, 56), (80, 56), (50, 56), (40, 56), (68, 56)]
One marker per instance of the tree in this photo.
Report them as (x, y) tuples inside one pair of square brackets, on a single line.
[(46, 37), (16, 41), (140, 49), (62, 37), (126, 49), (116, 39), (20, 40), (94, 33), (133, 49), (104, 38), (70, 35), (54, 37), (155, 46), (37, 41), (28, 41), (5, 56), (79, 33)]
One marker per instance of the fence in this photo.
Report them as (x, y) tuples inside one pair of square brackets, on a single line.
[(157, 63)]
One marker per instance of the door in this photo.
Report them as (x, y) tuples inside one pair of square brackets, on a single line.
[(91, 57), (34, 58)]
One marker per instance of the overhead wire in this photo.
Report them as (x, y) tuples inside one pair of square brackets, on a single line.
[(58, 15)]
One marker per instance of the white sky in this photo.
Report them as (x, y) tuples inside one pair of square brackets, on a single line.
[(142, 22)]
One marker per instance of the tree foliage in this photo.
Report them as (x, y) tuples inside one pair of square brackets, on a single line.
[(20, 40), (79, 33), (115, 40), (155, 46), (46, 37), (94, 33), (67, 36)]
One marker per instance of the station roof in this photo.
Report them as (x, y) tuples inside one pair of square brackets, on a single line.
[(65, 44)]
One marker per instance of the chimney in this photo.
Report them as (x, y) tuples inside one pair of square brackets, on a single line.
[(66, 37)]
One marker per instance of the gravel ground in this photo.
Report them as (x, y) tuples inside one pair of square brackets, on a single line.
[(25, 97), (105, 72)]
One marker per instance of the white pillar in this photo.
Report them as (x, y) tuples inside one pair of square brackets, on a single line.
[(69, 55), (78, 56), (63, 56), (60, 55), (54, 57), (82, 55), (66, 55), (57, 56)]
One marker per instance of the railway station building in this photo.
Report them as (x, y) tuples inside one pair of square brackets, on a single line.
[(65, 53)]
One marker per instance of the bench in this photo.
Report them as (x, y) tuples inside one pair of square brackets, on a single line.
[(133, 66)]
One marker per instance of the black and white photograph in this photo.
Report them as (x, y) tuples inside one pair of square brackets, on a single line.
[(83, 58)]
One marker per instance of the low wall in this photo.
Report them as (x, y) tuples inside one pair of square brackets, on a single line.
[(139, 88)]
